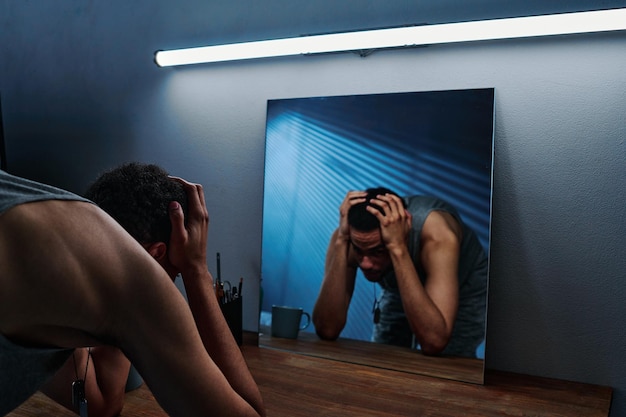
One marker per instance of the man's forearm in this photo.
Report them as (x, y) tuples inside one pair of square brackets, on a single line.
[(331, 307), (218, 339), (425, 319)]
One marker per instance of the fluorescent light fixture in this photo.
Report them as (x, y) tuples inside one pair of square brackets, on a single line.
[(519, 27)]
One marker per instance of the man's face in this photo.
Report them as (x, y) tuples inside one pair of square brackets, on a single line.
[(372, 256)]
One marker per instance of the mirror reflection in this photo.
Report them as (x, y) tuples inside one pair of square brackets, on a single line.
[(406, 265)]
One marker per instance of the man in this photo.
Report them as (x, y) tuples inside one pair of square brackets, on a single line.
[(72, 277), (137, 196), (431, 267)]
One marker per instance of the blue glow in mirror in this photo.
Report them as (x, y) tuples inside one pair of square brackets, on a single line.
[(437, 143)]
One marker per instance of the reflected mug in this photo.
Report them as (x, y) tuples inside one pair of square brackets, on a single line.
[(287, 321)]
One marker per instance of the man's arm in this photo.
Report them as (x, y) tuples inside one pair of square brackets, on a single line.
[(331, 308), (188, 253), (431, 308)]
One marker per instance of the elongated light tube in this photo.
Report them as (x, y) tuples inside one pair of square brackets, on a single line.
[(519, 27)]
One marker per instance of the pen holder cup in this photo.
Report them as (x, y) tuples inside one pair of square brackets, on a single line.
[(232, 311)]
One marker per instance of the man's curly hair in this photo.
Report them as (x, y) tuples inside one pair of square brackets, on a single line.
[(138, 196)]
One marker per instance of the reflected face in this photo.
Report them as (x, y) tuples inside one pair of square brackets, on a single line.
[(371, 254)]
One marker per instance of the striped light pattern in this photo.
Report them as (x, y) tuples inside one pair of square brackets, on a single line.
[(434, 143), (509, 28)]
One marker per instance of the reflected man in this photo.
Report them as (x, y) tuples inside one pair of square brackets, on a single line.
[(431, 267)]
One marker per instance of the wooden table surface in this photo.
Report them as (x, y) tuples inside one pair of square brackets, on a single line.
[(296, 385)]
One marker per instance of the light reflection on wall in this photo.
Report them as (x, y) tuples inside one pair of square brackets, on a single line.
[(433, 143)]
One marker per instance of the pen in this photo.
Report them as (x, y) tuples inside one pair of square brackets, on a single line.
[(240, 285), (218, 282), (219, 272), (220, 294)]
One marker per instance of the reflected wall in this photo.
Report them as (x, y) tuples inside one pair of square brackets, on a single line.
[(437, 143)]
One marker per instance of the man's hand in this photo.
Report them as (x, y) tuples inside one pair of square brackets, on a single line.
[(351, 199), (395, 220), (187, 248)]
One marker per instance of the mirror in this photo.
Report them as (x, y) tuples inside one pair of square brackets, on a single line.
[(434, 143)]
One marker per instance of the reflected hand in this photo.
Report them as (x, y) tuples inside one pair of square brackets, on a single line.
[(352, 198), (395, 220), (187, 249)]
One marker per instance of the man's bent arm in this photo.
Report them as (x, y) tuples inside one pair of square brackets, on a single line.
[(188, 252), (430, 308), (218, 339)]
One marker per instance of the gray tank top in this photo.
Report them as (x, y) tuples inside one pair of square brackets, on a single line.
[(16, 190), (24, 369), (469, 328)]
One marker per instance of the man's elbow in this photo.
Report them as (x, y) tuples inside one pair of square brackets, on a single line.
[(326, 334), (432, 350), (107, 408), (325, 330), (434, 347)]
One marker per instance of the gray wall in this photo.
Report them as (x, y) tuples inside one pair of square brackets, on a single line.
[(81, 94)]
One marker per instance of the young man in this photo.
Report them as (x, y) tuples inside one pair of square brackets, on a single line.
[(72, 277), (431, 267)]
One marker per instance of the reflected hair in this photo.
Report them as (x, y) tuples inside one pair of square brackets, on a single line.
[(361, 219), (137, 196)]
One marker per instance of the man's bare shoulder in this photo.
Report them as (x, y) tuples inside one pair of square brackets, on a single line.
[(441, 225)]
